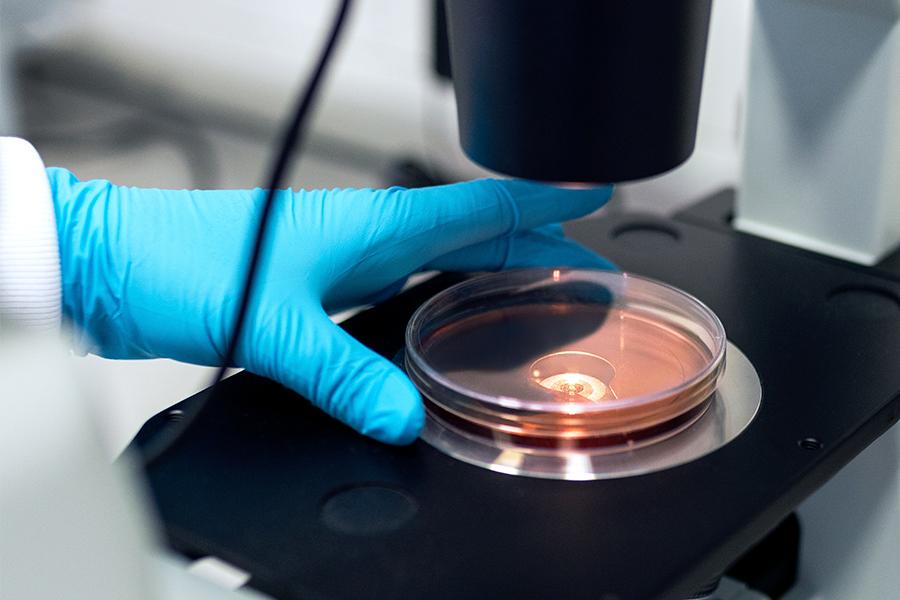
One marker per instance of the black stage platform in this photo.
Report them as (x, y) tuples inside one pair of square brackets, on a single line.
[(313, 510)]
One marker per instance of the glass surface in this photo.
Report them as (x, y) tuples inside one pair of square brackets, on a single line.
[(565, 360)]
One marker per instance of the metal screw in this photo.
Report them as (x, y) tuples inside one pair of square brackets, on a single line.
[(810, 443)]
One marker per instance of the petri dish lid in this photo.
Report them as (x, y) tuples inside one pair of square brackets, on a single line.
[(564, 353)]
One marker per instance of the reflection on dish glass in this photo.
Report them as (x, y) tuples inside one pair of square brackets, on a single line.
[(564, 361)]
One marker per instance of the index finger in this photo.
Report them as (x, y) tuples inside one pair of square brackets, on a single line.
[(430, 222)]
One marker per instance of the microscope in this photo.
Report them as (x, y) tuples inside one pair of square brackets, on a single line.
[(798, 265)]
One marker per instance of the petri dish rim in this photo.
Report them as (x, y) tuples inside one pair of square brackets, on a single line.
[(415, 358)]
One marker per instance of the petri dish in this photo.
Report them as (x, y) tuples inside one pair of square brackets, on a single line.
[(535, 371)]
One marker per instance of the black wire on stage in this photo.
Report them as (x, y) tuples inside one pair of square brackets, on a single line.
[(292, 138)]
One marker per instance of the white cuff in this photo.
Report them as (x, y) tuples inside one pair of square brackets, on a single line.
[(30, 279)]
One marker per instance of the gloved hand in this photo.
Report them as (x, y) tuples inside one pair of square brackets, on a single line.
[(158, 273)]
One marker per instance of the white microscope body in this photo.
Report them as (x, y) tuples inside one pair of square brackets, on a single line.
[(822, 127)]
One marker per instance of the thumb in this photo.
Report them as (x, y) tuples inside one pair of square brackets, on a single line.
[(350, 382)]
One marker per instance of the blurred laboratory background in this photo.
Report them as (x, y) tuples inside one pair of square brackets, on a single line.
[(191, 94)]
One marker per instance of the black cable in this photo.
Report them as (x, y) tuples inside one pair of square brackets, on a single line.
[(292, 138)]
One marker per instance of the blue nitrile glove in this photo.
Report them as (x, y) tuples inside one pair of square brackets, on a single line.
[(158, 273)]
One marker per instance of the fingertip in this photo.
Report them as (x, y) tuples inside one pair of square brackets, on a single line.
[(607, 192), (536, 249), (397, 416), (599, 194), (540, 203)]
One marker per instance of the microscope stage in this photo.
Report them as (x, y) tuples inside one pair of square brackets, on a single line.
[(311, 509)]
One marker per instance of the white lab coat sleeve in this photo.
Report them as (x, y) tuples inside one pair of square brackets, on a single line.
[(30, 280)]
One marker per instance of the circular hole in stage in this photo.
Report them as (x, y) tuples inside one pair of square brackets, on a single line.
[(367, 509), (863, 302), (646, 233)]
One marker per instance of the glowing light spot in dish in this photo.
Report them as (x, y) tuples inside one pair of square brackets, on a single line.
[(575, 376), (576, 386)]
